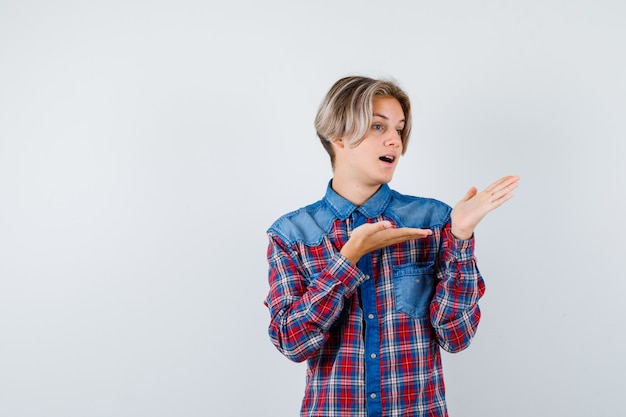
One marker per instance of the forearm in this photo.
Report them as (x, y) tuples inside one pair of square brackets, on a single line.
[(303, 310), (454, 310)]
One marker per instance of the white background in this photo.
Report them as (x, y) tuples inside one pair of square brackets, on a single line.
[(146, 146)]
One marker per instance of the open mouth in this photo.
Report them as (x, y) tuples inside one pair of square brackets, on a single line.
[(387, 158)]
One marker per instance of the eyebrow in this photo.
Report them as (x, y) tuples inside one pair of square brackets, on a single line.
[(386, 118)]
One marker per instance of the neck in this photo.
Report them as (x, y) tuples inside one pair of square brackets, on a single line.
[(354, 192)]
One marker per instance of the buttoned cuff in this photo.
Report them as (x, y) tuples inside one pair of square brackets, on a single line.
[(347, 273), (459, 249)]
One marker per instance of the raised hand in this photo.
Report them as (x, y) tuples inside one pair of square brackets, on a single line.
[(372, 236), (475, 205)]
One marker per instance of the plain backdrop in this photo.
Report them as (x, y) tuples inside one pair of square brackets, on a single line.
[(146, 146)]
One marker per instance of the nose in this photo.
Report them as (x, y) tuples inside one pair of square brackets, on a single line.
[(393, 139)]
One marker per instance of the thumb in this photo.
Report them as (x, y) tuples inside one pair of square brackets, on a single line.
[(470, 193), (385, 224)]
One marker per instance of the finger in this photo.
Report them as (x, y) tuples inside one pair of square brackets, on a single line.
[(396, 235), (378, 226), (372, 228), (424, 233), (418, 232), (497, 203), (504, 190), (470, 193), (502, 182), (406, 233), (385, 224), (508, 181)]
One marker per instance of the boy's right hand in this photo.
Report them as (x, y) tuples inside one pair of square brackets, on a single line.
[(372, 236)]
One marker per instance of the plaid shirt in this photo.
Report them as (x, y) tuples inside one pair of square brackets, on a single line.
[(371, 332)]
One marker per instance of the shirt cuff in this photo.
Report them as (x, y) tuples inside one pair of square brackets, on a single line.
[(347, 273), (459, 249)]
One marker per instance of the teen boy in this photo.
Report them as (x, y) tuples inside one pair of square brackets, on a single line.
[(368, 284)]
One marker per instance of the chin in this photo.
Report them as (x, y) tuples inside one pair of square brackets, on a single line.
[(388, 178)]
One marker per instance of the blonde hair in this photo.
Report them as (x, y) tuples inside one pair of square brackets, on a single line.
[(346, 112)]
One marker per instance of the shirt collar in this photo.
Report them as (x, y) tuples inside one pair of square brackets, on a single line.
[(372, 208)]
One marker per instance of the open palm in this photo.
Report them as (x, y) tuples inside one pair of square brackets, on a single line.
[(475, 205)]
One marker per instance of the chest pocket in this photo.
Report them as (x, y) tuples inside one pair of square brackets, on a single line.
[(414, 287)]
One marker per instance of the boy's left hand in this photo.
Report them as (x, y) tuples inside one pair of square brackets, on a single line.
[(475, 205)]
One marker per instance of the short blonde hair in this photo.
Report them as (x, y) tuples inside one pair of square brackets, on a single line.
[(346, 112)]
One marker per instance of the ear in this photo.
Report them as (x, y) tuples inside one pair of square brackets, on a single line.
[(337, 143)]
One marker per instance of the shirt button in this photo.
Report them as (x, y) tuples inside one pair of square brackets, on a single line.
[(373, 356), (367, 277), (370, 316), (372, 395)]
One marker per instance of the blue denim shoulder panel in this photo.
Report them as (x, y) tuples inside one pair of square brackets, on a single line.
[(307, 225), (424, 213)]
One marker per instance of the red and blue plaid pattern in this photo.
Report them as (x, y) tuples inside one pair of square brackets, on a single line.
[(371, 332)]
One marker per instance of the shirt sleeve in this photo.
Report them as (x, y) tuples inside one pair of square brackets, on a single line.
[(303, 309), (454, 309)]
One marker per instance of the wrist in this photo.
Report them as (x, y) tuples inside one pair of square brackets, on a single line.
[(461, 234), (350, 254)]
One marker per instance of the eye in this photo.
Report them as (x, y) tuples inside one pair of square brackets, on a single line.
[(399, 132), (377, 126)]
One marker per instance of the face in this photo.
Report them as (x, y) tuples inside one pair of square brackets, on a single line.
[(373, 161)]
